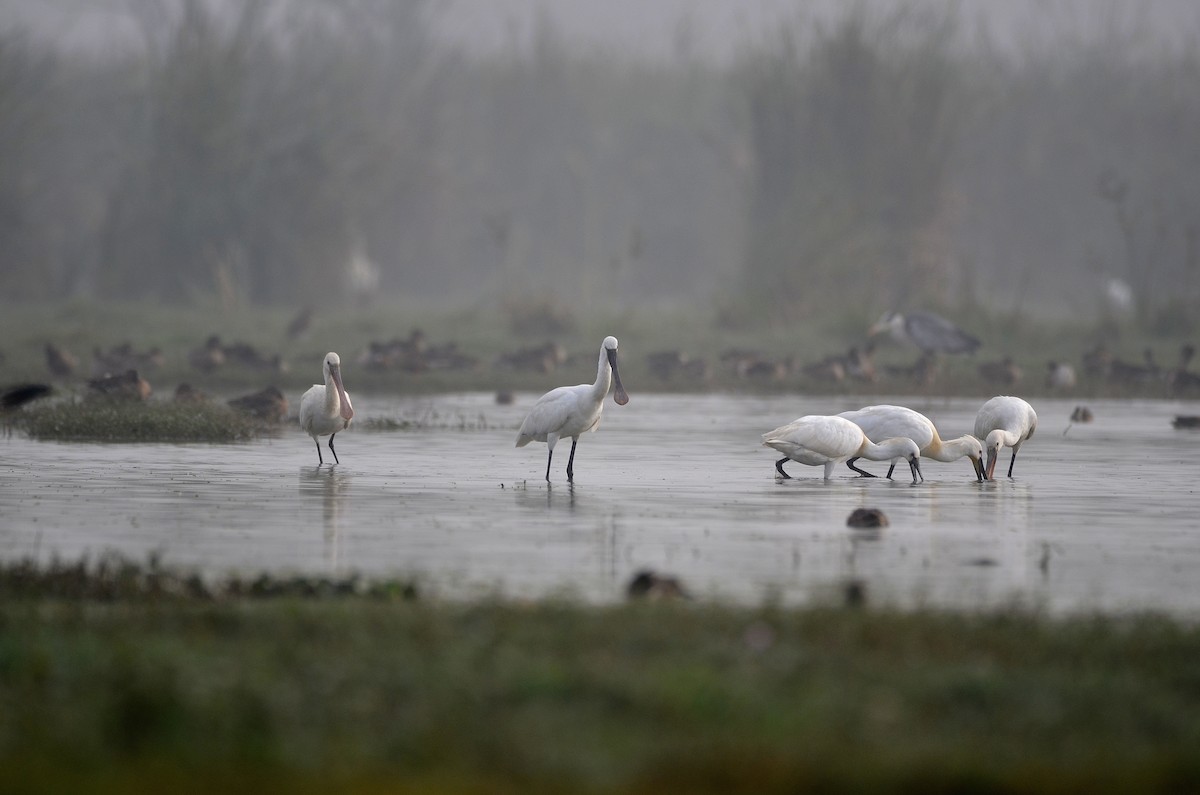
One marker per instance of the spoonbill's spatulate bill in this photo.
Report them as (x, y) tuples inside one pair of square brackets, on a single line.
[(325, 408), (820, 440), (1004, 421), (929, 332), (573, 410), (887, 422)]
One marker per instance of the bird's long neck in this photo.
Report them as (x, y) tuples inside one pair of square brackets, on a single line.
[(947, 451), (603, 376), (333, 402), (884, 451)]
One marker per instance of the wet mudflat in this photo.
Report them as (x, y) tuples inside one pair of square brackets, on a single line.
[(1102, 518)]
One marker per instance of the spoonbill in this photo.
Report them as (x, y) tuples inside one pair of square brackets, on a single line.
[(1004, 421), (887, 422), (573, 410), (325, 408), (820, 440), (929, 332)]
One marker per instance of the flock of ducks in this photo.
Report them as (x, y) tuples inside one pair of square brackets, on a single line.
[(876, 433)]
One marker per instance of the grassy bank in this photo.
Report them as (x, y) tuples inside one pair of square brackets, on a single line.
[(109, 688), (123, 421), (488, 330)]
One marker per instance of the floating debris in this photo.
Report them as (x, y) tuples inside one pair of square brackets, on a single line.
[(647, 584), (867, 518)]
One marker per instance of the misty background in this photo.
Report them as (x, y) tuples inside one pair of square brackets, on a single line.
[(768, 160)]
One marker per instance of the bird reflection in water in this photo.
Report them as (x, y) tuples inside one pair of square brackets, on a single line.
[(330, 485)]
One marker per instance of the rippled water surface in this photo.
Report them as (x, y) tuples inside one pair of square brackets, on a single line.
[(1101, 518)]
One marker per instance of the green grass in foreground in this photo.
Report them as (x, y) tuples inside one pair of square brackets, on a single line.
[(147, 686)]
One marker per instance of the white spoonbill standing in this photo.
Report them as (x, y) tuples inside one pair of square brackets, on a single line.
[(1004, 421), (887, 422), (325, 408), (820, 440), (573, 410)]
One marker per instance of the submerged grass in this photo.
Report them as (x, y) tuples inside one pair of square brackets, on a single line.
[(146, 687), (101, 420)]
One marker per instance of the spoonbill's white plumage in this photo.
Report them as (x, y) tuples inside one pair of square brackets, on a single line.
[(573, 410), (325, 408), (929, 332), (821, 440), (887, 422), (1004, 421)]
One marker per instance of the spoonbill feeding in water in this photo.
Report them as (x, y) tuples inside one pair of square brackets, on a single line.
[(819, 440), (887, 422), (573, 410), (1004, 421), (325, 408), (929, 332)]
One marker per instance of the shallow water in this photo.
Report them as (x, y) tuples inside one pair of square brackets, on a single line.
[(1102, 518)]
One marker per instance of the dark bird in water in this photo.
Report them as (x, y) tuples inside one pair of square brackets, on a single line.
[(186, 393), (1060, 375), (1004, 372), (125, 386), (209, 356), (927, 331), (268, 404), (1186, 421), (867, 517), (17, 396), (647, 584)]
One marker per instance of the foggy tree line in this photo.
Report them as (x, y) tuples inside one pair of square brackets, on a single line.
[(253, 155)]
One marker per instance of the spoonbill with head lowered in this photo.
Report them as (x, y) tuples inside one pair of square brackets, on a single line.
[(573, 410), (325, 408), (887, 422), (820, 440), (1004, 421)]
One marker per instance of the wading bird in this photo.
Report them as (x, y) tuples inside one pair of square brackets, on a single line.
[(573, 410), (929, 332), (887, 422), (325, 408), (819, 440), (1004, 421)]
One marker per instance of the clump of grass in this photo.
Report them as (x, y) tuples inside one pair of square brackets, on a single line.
[(132, 421), (113, 578)]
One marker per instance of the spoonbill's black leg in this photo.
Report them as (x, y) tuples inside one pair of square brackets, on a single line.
[(549, 458), (779, 468), (571, 463), (319, 459), (891, 469), (861, 472), (335, 458), (1012, 461)]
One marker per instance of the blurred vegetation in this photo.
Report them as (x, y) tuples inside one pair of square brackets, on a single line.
[(484, 332), (105, 420), (286, 154), (852, 134), (131, 682)]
